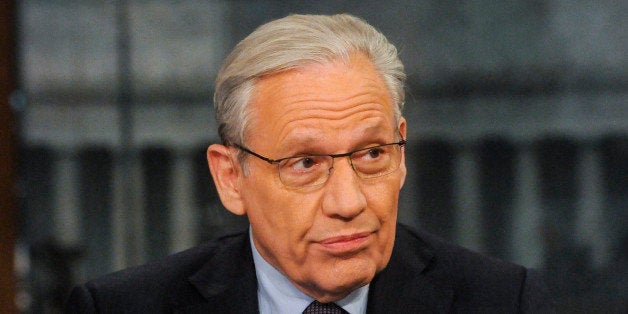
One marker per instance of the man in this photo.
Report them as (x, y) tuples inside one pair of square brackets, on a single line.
[(309, 114)]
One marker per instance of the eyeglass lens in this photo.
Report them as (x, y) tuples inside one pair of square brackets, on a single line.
[(303, 171)]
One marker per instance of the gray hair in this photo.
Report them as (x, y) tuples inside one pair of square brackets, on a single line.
[(293, 42)]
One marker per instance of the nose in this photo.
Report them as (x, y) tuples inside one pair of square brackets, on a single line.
[(343, 197)]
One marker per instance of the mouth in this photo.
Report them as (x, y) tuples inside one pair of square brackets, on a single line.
[(346, 244)]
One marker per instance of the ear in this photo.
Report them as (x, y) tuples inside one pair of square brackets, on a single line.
[(226, 172), (402, 127), (402, 166)]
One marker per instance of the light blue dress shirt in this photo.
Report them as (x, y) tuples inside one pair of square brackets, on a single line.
[(276, 294)]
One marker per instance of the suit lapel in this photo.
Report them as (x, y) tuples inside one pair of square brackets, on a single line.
[(227, 281), (407, 284), (410, 284)]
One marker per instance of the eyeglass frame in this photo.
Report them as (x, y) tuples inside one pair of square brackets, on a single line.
[(400, 143)]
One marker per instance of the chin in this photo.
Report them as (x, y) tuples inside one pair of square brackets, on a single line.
[(337, 290), (344, 277)]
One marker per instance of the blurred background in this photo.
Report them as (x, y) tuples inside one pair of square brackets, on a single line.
[(517, 145)]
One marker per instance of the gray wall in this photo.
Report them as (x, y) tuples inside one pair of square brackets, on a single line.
[(517, 138)]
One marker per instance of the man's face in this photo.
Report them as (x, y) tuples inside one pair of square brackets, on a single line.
[(330, 239)]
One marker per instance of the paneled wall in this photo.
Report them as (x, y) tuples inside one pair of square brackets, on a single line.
[(517, 145)]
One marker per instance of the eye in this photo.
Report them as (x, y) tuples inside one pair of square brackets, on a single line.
[(369, 154), (374, 152), (302, 164), (305, 162)]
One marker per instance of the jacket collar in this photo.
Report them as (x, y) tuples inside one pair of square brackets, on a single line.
[(228, 284), (407, 282), (227, 281)]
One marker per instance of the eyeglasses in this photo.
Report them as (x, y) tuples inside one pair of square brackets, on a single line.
[(313, 170)]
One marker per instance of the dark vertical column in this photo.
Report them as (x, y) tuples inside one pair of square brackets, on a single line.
[(434, 160), (36, 201), (96, 199), (615, 165), (497, 170), (558, 160), (35, 172), (157, 166), (7, 157)]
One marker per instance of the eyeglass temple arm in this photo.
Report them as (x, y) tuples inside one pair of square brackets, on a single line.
[(266, 159)]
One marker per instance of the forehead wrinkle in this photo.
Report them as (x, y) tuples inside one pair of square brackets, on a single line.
[(320, 93), (336, 113), (309, 125), (308, 133), (338, 107)]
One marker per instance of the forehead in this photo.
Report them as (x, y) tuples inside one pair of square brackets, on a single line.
[(321, 101)]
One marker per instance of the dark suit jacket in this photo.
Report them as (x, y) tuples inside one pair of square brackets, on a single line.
[(425, 275)]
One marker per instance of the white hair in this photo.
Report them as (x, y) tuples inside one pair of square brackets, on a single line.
[(293, 42)]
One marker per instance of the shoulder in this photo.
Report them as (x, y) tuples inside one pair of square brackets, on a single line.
[(170, 268), (476, 280), (459, 261), (151, 287)]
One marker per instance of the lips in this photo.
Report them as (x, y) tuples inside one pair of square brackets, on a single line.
[(346, 243)]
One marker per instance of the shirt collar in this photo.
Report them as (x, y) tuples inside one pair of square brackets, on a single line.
[(276, 294)]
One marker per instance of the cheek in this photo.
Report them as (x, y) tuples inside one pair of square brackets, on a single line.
[(280, 227), (286, 212), (283, 216), (383, 201)]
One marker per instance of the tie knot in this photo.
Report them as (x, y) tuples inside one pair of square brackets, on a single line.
[(324, 308)]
